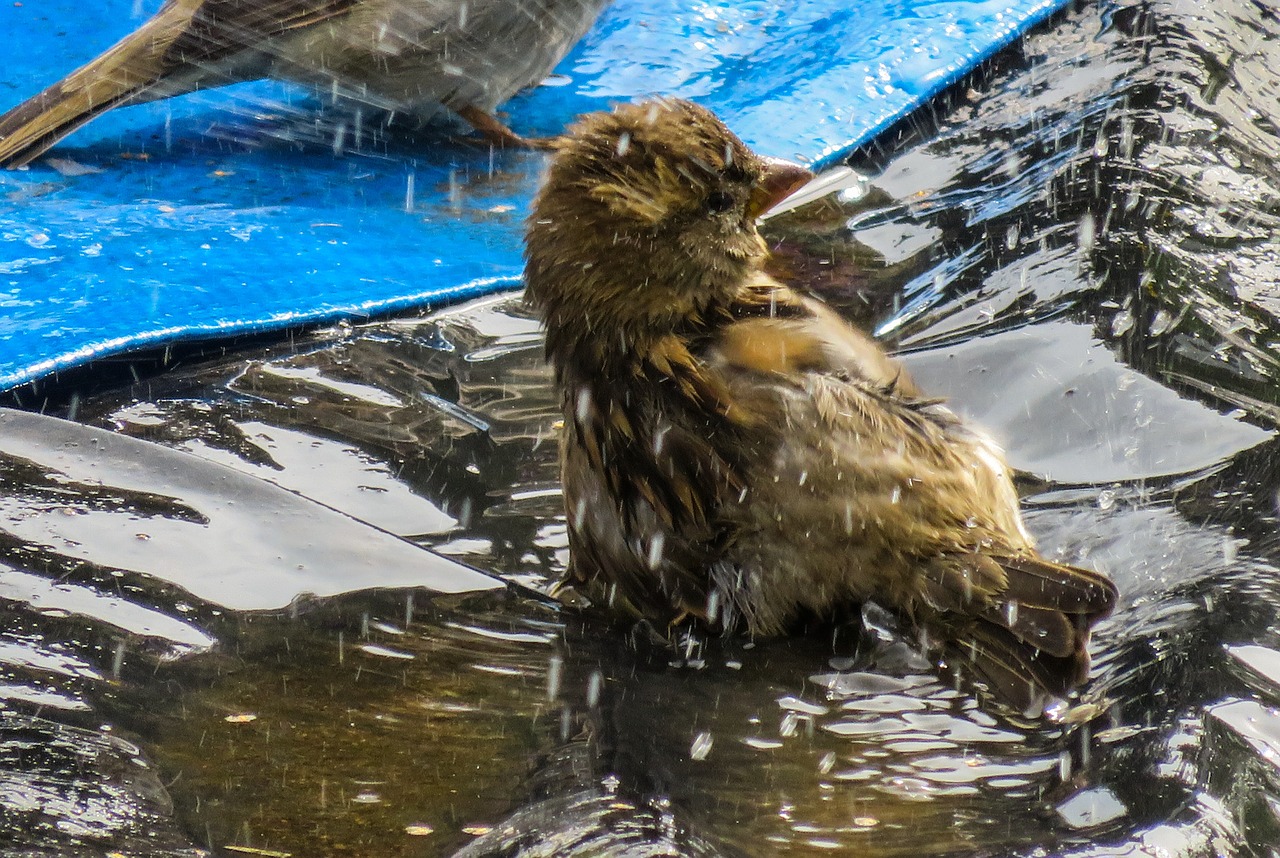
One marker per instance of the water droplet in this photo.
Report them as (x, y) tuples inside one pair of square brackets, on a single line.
[(1126, 137), (659, 439), (1102, 145), (701, 746), (656, 546), (1086, 235), (594, 684), (455, 192), (555, 666), (713, 605), (117, 661)]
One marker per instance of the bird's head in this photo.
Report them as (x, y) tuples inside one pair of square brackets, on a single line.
[(647, 217)]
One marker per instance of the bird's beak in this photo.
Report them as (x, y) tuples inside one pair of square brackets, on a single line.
[(780, 180)]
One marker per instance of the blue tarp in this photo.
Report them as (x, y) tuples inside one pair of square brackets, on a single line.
[(227, 212)]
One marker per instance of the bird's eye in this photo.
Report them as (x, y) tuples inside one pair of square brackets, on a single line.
[(718, 202)]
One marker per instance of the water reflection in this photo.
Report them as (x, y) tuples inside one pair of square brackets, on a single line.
[(1078, 248), (354, 726)]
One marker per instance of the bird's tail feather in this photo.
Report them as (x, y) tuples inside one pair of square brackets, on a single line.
[(1019, 676), (118, 76), (1033, 631), (1050, 607)]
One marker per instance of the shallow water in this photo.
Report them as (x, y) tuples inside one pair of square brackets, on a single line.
[(1079, 249)]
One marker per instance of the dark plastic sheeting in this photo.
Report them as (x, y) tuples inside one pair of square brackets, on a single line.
[(247, 214), (221, 535)]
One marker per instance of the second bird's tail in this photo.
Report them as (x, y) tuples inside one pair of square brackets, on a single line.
[(1030, 641), (117, 77)]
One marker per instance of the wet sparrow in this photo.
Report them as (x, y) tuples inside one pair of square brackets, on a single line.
[(735, 453), (410, 56)]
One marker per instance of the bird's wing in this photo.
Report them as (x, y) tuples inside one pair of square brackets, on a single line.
[(182, 40), (648, 458), (777, 331), (647, 464), (837, 404), (641, 527), (219, 28), (914, 473)]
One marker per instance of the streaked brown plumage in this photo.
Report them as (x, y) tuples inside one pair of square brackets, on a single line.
[(734, 451), (407, 56)]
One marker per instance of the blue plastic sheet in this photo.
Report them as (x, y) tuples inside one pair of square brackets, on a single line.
[(239, 210)]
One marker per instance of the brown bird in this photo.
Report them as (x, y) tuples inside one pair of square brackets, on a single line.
[(410, 56), (733, 452)]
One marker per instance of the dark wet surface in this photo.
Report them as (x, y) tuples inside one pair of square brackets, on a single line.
[(1080, 250)]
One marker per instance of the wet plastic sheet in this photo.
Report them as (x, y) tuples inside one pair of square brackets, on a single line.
[(223, 536), (236, 211)]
